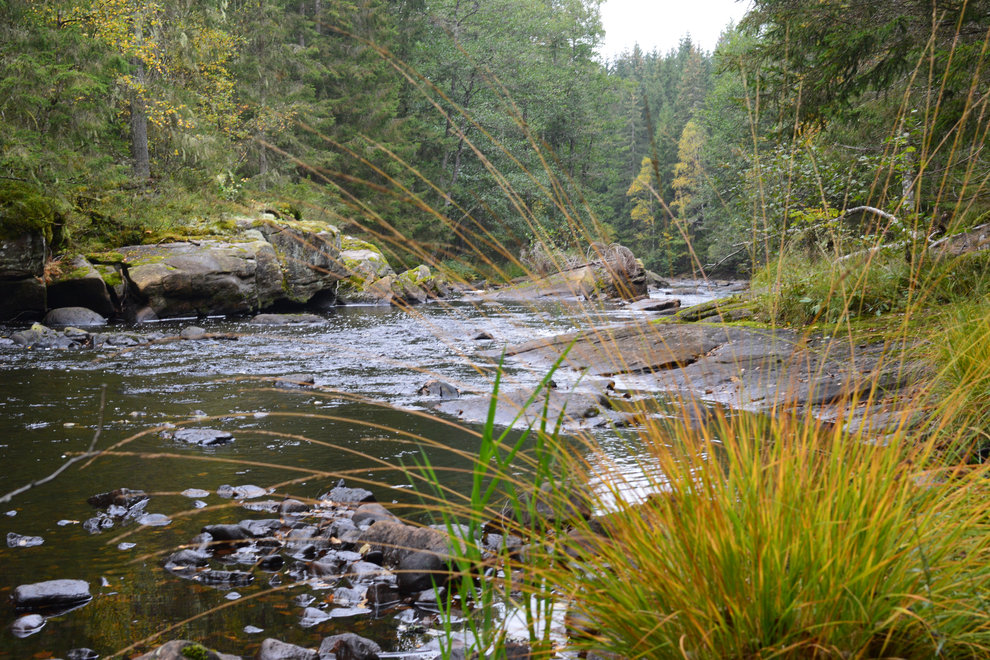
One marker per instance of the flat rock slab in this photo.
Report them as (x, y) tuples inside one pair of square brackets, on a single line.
[(515, 408), (627, 349), (53, 594), (182, 649)]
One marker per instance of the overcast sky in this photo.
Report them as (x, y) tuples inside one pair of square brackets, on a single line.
[(660, 24)]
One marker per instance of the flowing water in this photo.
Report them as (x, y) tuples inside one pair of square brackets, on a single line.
[(367, 364)]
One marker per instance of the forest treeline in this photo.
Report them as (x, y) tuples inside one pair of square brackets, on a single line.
[(477, 126)]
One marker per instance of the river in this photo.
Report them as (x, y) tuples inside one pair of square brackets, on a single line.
[(367, 364)]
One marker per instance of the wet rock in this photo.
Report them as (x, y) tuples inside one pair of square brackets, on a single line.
[(19, 541), (271, 563), (82, 654), (195, 492), (363, 572), (78, 317), (122, 497), (483, 336), (418, 571), (286, 319), (555, 504), (27, 625), (396, 540), (349, 646), (341, 494), (225, 578), (273, 649), (246, 492), (656, 305), (98, 524), (51, 595), (438, 389), (290, 506), (187, 557), (260, 528), (153, 520), (193, 332), (22, 299), (370, 513), (226, 533), (295, 381), (182, 649)]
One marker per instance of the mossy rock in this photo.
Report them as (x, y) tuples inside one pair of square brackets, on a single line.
[(108, 258), (25, 209), (351, 243)]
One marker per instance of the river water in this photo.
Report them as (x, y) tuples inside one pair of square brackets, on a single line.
[(367, 363)]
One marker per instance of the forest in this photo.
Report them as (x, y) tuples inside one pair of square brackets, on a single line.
[(465, 126)]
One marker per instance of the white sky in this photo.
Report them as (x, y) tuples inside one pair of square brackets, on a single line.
[(660, 24)]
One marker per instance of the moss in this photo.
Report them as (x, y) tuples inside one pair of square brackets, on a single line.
[(351, 243), (105, 257), (111, 277), (197, 652), (25, 209)]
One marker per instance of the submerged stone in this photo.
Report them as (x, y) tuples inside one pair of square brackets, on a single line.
[(51, 594)]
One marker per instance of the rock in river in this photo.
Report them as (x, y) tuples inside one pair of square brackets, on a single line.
[(79, 317), (273, 649), (351, 646), (53, 594), (202, 437), (19, 541)]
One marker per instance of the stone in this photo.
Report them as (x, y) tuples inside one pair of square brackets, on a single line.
[(308, 255), (206, 278), (52, 594), (23, 256), (182, 649), (82, 654), (656, 305), (227, 533), (371, 511), (349, 646), (193, 332), (201, 437), (245, 492), (273, 649), (341, 494), (187, 557), (365, 264), (396, 540), (19, 541), (295, 381), (123, 497), (225, 578), (438, 389), (418, 571), (79, 317), (24, 299), (79, 283)]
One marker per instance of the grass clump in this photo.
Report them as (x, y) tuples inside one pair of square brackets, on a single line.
[(775, 537)]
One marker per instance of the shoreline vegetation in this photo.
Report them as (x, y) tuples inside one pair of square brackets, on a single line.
[(812, 453)]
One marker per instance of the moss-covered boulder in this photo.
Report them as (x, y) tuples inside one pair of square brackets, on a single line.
[(22, 299), (199, 279), (365, 265), (309, 256), (77, 283)]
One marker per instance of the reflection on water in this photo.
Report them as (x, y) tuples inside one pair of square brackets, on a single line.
[(359, 358)]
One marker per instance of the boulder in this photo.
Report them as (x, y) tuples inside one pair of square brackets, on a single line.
[(78, 317), (211, 277), (344, 495), (182, 649), (396, 540), (309, 256), (23, 256), (365, 264), (286, 319), (201, 437), (79, 284), (438, 389), (22, 299), (349, 646), (273, 649), (52, 594), (123, 497)]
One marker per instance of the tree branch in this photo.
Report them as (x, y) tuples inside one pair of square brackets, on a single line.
[(75, 459)]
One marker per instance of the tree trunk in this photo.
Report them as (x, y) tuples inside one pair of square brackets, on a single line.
[(139, 130)]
